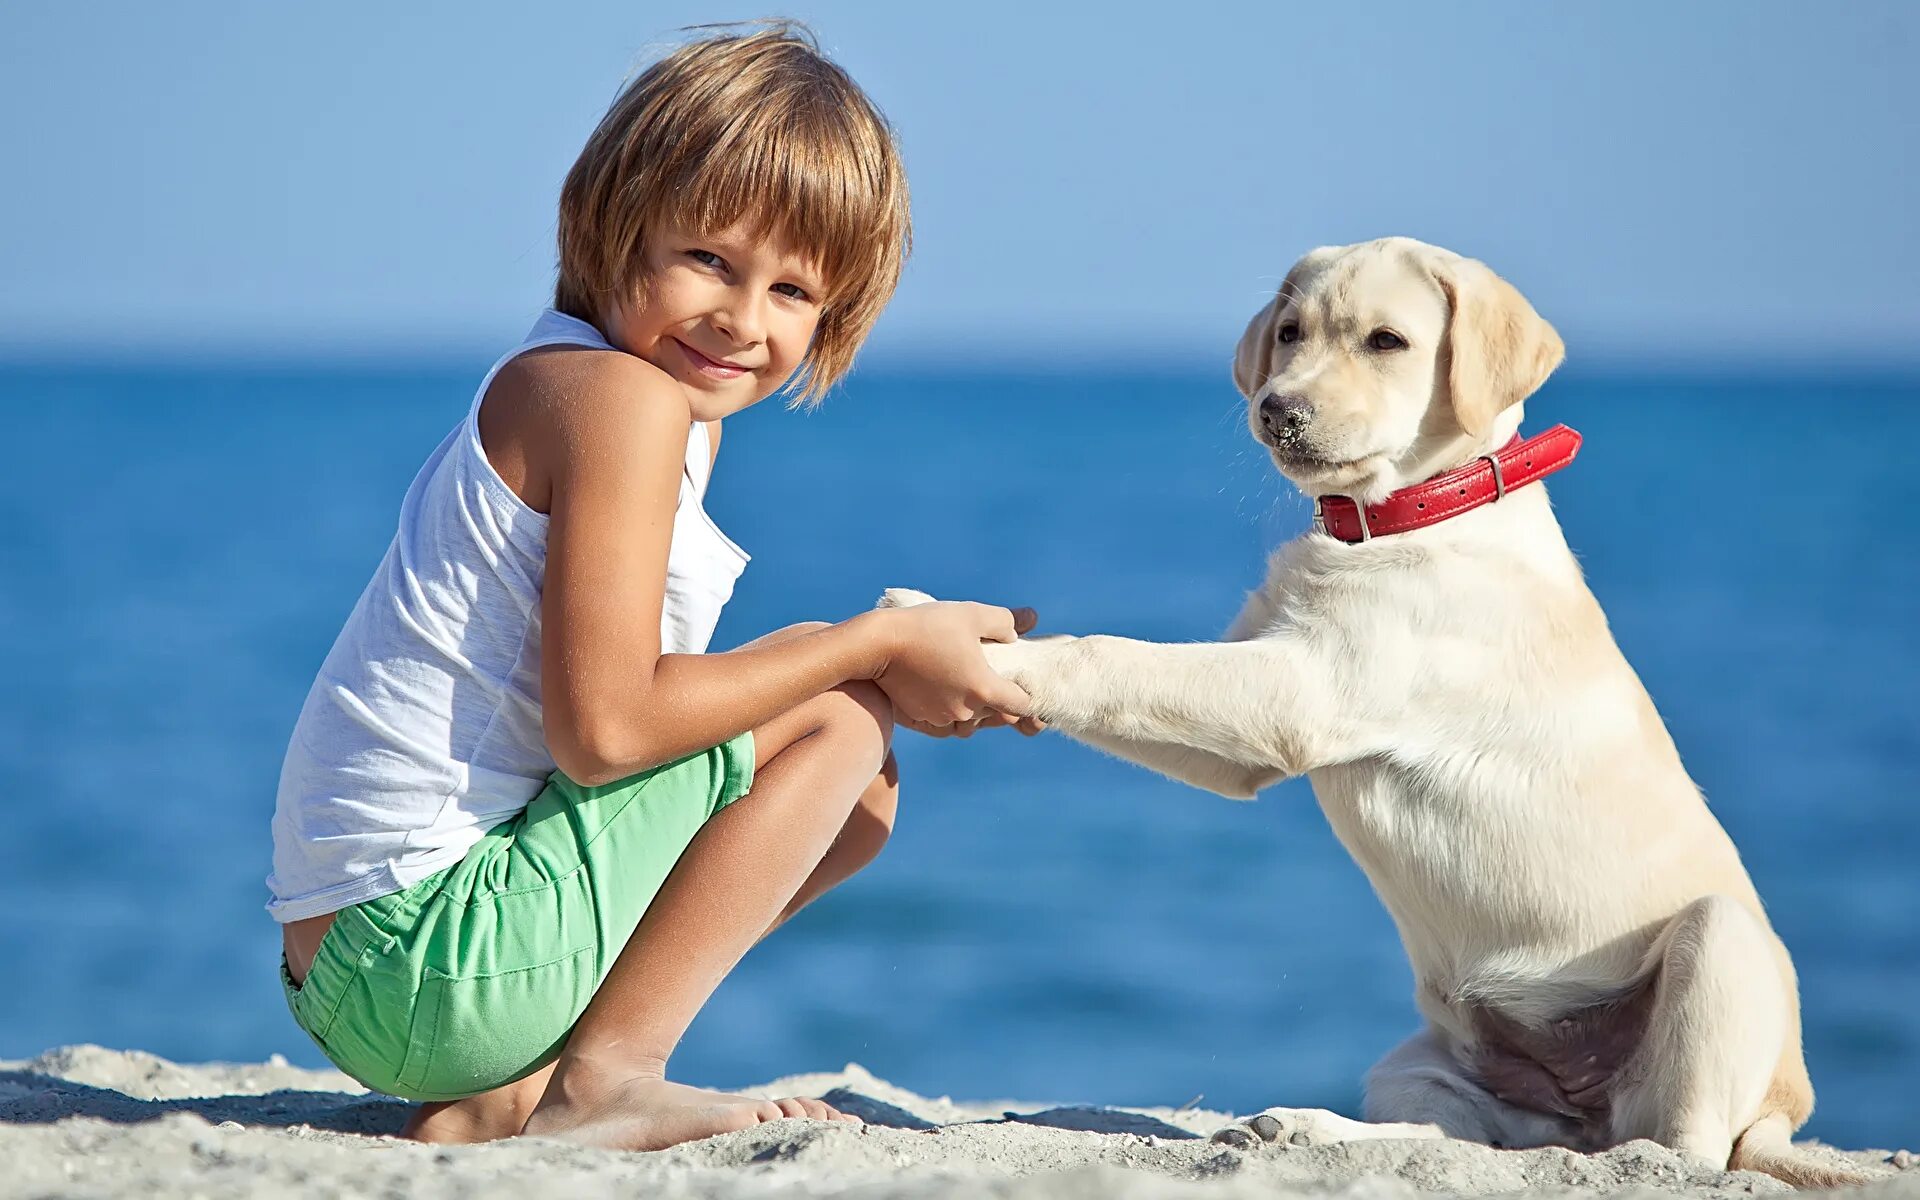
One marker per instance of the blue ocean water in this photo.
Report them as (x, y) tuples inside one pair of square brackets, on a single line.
[(178, 548)]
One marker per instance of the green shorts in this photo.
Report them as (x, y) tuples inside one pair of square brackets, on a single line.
[(473, 977)]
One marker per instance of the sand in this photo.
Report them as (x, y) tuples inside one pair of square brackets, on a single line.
[(88, 1121)]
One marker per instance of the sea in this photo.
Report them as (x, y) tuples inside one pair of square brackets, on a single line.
[(179, 546)]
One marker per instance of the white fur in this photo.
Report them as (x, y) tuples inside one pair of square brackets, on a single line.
[(1471, 731)]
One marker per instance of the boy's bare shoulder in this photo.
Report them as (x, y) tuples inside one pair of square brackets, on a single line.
[(547, 408), (574, 384)]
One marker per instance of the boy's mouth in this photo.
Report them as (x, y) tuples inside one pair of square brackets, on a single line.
[(712, 367)]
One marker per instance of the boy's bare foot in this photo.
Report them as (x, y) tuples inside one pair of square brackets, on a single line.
[(459, 1123), (486, 1117), (652, 1114)]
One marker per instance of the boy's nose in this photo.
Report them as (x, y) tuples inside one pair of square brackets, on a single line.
[(742, 322)]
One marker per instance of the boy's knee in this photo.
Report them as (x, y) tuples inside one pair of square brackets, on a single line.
[(871, 700), (858, 706)]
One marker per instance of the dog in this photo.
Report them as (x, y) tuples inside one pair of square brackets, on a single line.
[(1593, 964)]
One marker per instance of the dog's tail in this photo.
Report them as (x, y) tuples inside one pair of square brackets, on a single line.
[(1767, 1146)]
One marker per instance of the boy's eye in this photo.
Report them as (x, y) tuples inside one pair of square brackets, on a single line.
[(794, 290), (706, 258)]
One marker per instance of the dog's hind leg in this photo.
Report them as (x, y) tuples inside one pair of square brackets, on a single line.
[(1313, 1127), (1721, 1017), (1417, 1091), (1420, 1081)]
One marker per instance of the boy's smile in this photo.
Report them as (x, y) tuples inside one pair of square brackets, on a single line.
[(729, 315), (715, 368)]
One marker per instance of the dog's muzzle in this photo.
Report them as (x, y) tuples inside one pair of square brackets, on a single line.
[(1285, 419)]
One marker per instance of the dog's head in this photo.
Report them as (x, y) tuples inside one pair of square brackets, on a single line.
[(1384, 363)]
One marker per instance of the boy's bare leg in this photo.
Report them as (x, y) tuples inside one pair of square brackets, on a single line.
[(737, 880), (503, 1111), (858, 843)]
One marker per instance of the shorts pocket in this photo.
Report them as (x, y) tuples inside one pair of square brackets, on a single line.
[(472, 1035), (336, 971)]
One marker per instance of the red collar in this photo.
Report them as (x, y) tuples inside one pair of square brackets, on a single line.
[(1481, 481)]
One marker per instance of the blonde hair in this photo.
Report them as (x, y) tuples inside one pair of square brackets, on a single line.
[(757, 126)]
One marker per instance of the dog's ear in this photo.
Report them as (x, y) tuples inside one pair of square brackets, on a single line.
[(1499, 350), (1253, 357)]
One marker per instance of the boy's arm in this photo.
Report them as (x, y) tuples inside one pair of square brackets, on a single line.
[(612, 445)]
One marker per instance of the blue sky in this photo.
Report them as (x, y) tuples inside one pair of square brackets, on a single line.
[(1696, 184)]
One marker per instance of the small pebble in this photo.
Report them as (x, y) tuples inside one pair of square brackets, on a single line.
[(1904, 1159), (229, 1125)]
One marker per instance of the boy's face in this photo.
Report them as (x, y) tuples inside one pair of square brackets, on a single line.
[(729, 315)]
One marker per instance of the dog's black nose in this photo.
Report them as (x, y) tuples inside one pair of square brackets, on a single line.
[(1286, 416)]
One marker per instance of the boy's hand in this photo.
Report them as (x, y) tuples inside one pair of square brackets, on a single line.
[(986, 720), (936, 675), (1024, 619)]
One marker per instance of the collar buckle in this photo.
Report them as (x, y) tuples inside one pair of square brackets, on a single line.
[(1359, 516), (1499, 478)]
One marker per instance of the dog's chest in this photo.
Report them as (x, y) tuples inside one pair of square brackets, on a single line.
[(1390, 815), (1449, 852)]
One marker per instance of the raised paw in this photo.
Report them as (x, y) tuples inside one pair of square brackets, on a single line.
[(1277, 1127), (902, 598)]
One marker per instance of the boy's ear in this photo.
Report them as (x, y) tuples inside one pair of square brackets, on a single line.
[(1253, 357), (1499, 350)]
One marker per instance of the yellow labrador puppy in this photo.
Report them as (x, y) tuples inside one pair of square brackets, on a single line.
[(1593, 964)]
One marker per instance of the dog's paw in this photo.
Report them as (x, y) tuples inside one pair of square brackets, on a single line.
[(1278, 1127), (902, 598), (1003, 657), (1028, 659)]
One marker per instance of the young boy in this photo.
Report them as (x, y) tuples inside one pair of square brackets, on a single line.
[(519, 946)]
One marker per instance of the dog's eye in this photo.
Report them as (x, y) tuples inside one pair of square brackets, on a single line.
[(1386, 339), (1290, 332)]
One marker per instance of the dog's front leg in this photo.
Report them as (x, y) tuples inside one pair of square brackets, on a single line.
[(1185, 764), (1231, 717)]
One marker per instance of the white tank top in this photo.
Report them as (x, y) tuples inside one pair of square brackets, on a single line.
[(423, 728)]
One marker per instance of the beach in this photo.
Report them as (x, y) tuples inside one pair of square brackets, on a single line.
[(1039, 903), (89, 1121)]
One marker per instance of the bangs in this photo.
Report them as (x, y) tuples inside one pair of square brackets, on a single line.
[(790, 183)]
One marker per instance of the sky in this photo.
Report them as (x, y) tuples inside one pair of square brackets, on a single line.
[(1673, 185)]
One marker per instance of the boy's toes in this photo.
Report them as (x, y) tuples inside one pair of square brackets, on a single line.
[(829, 1113), (810, 1108), (767, 1110)]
